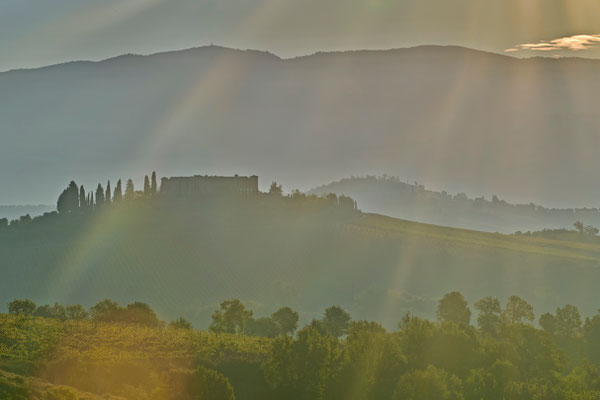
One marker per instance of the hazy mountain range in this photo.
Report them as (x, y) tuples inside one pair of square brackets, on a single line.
[(412, 201), (459, 119)]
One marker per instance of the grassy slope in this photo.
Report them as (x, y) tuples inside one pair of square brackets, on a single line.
[(396, 228), (185, 263)]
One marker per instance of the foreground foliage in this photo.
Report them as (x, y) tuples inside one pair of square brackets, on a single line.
[(504, 357)]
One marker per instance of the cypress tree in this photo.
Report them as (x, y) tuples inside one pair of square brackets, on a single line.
[(118, 192), (91, 201), (154, 187), (107, 193), (99, 196), (146, 186), (129, 190), (68, 201), (82, 201)]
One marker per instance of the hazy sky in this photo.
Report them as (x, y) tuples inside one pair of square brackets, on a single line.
[(41, 32)]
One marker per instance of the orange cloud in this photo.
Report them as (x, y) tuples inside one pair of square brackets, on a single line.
[(572, 43)]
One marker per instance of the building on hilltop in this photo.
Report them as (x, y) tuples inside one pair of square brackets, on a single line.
[(204, 185)]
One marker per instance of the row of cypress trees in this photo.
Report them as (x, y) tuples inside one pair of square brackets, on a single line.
[(75, 199)]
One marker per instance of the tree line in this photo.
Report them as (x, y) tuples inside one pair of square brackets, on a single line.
[(75, 198), (502, 356)]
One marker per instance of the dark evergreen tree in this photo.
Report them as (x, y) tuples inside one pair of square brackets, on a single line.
[(146, 186), (118, 192), (154, 186), (107, 199), (82, 200), (129, 190), (68, 201), (99, 196)]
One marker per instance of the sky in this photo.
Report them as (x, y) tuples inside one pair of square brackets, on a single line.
[(39, 32)]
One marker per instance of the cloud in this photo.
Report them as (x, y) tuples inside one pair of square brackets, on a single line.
[(571, 43)]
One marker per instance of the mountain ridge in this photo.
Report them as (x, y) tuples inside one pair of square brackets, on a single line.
[(299, 57), (454, 117)]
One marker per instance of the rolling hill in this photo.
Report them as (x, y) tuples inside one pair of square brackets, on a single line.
[(390, 196), (184, 260), (459, 119)]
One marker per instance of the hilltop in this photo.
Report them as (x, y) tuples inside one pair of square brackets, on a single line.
[(454, 117), (185, 257), (413, 201)]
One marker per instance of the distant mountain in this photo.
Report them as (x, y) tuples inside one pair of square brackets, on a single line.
[(390, 196), (468, 120), (15, 211)]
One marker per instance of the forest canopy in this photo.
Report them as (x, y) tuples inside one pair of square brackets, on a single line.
[(498, 354)]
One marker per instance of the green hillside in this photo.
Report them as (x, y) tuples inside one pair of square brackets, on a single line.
[(389, 195), (185, 258)]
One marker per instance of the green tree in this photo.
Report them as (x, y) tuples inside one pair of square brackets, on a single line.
[(108, 193), (129, 190), (201, 384), (372, 361), (286, 319), (336, 321), (488, 319), (82, 199), (57, 311), (454, 348), (21, 307), (548, 323), (428, 384), (416, 337), (303, 369), (104, 310), (139, 313), (181, 323), (265, 327), (517, 310), (154, 186), (99, 196), (76, 312), (591, 332), (118, 194), (146, 186), (453, 307), (489, 383), (68, 201), (231, 317), (568, 321)]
